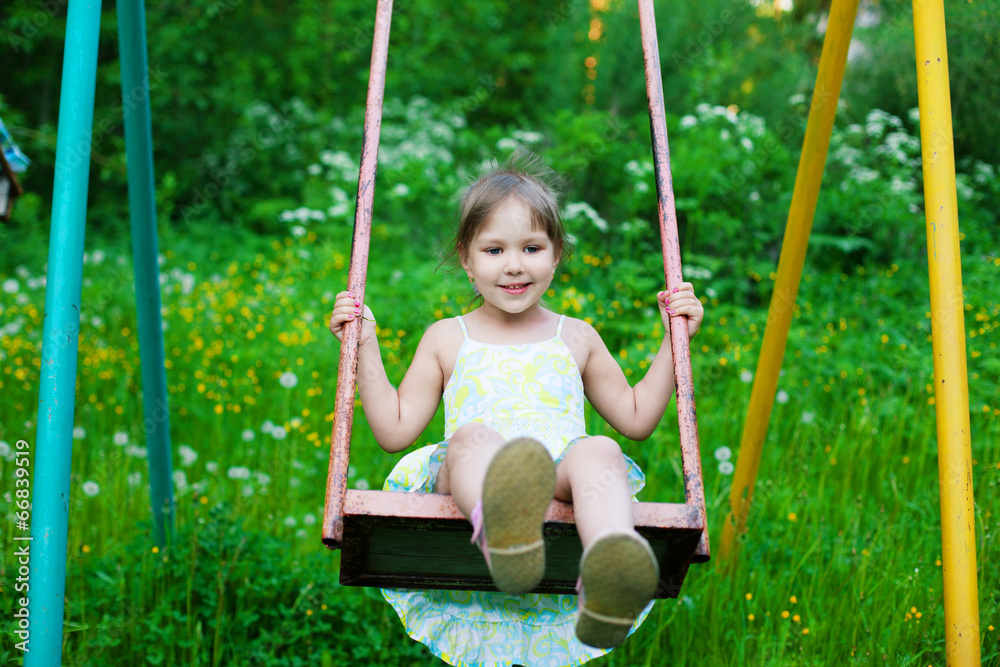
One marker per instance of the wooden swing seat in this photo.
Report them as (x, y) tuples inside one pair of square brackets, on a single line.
[(418, 540), (415, 540)]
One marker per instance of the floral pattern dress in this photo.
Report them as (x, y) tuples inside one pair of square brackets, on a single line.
[(519, 390)]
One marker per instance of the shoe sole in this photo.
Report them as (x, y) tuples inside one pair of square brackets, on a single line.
[(519, 485), (619, 575)]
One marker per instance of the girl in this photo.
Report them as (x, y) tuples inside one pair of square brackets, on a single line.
[(509, 369)]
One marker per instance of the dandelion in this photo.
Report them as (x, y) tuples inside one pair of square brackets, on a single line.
[(267, 426), (79, 433), (85, 549), (11, 286), (401, 190), (238, 472), (784, 614), (290, 521), (279, 433), (212, 467), (135, 451), (134, 478), (247, 490), (746, 376), (6, 452), (726, 468), (314, 169), (723, 453), (298, 231), (749, 596), (781, 397), (808, 417), (793, 599), (793, 517), (688, 121), (188, 455), (120, 438), (91, 488), (750, 617), (362, 484), (309, 519), (295, 422), (288, 380), (180, 479), (247, 435)]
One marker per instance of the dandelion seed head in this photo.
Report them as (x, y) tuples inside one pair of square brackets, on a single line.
[(91, 488), (248, 435), (726, 467), (79, 433), (120, 438), (723, 453), (288, 380), (782, 396)]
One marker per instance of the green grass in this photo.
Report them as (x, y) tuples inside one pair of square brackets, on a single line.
[(844, 534)]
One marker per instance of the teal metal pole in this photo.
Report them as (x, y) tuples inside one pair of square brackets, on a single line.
[(142, 211), (60, 338)]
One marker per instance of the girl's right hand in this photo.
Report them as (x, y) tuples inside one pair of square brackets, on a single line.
[(345, 309)]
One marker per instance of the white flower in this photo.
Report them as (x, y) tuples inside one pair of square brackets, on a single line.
[(247, 434), (5, 451), (798, 98), (91, 488), (507, 144), (262, 478), (309, 519), (724, 135), (120, 438), (97, 256), (314, 169), (746, 143), (295, 422), (302, 533), (746, 376), (726, 468), (754, 196), (212, 467), (134, 478), (267, 426), (247, 490), (79, 433), (180, 479), (11, 286), (711, 293), (401, 190), (808, 417), (688, 121), (290, 521), (527, 137), (238, 472), (642, 187), (288, 380), (188, 455), (298, 231), (136, 451), (782, 396), (279, 433), (723, 453), (362, 484)]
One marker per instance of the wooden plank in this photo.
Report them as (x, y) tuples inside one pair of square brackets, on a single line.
[(404, 540)]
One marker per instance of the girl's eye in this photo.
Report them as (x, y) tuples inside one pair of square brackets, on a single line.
[(493, 251), (532, 249)]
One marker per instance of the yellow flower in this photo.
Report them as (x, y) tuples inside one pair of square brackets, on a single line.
[(749, 596), (796, 618), (750, 617), (805, 631), (792, 516), (784, 614), (793, 599), (86, 549), (156, 550)]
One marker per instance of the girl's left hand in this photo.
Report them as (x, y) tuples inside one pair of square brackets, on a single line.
[(681, 301)]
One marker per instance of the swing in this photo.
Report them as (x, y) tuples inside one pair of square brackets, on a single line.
[(422, 540)]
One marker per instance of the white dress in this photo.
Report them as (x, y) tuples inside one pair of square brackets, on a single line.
[(534, 390)]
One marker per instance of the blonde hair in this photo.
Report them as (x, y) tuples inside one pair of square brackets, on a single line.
[(525, 176)]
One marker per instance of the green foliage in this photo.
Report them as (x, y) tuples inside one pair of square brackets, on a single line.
[(222, 594)]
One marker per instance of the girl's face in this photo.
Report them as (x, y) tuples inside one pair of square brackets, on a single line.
[(511, 263)]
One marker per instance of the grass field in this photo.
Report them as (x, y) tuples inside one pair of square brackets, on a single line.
[(841, 564)]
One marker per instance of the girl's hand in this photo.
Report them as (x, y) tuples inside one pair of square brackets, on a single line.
[(345, 308), (681, 301)]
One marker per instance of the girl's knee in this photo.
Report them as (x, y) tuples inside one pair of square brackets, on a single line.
[(600, 447), (468, 439)]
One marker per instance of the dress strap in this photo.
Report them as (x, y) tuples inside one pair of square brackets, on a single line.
[(465, 332), (562, 318)]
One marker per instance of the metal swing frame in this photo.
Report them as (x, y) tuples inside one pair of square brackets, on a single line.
[(407, 540)]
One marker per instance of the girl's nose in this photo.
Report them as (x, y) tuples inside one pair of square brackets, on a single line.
[(513, 265)]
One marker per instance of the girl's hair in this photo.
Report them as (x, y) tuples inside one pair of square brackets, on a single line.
[(523, 175)]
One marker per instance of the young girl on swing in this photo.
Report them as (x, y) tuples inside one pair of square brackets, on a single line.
[(514, 375)]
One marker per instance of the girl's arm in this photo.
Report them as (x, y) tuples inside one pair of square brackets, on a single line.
[(396, 417), (635, 411)]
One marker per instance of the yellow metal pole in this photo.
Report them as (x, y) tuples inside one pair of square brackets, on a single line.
[(951, 394), (793, 253)]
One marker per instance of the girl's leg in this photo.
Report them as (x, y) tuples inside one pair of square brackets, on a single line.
[(594, 477), (467, 458)]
